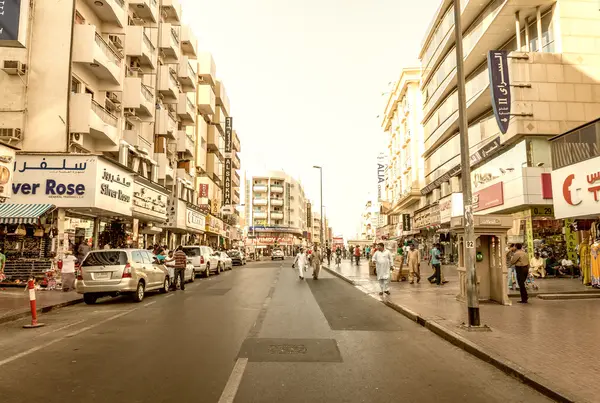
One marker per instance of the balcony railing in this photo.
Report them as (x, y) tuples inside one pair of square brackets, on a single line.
[(190, 103), (190, 139), (111, 54), (173, 118), (147, 93), (174, 36), (191, 71), (105, 115), (148, 42), (173, 77)]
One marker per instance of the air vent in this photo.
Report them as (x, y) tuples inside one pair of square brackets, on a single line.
[(13, 67)]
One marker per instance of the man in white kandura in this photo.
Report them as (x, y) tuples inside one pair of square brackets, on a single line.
[(301, 262), (384, 263)]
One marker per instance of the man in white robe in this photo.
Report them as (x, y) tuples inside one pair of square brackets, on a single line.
[(384, 263), (301, 262)]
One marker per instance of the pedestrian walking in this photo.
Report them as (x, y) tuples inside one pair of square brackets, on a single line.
[(170, 265), (384, 263), (436, 263), (300, 263), (68, 271), (2, 265), (180, 263), (413, 261), (368, 252), (316, 263), (520, 260), (357, 254), (512, 275), (351, 253), (328, 256)]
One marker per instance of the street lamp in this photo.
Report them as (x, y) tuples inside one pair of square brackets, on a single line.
[(463, 125), (321, 183)]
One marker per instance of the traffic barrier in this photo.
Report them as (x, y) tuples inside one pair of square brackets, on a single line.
[(32, 305)]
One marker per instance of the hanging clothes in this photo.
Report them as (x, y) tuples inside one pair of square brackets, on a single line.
[(585, 256), (595, 266)]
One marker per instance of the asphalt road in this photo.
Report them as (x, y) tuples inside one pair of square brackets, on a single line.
[(256, 334)]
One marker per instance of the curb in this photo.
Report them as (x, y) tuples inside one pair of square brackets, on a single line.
[(45, 309), (506, 366)]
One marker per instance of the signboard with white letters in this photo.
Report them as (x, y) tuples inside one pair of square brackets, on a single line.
[(194, 219), (149, 201), (576, 190)]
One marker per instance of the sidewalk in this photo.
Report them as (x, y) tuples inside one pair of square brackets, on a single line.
[(548, 344), (14, 302)]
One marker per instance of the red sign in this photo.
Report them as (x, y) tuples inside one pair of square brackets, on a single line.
[(271, 240), (489, 197), (546, 186), (203, 190)]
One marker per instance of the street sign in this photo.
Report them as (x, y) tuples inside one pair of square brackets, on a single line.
[(227, 210)]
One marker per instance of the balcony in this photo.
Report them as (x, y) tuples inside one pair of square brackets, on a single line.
[(207, 70), (185, 144), (259, 188), (110, 11), (184, 174), (235, 179), (166, 124), (222, 98), (218, 119), (171, 11), (236, 142), (215, 142), (276, 202), (206, 100), (189, 42), (89, 117), (259, 214), (236, 162), (138, 98), (168, 86), (276, 215), (235, 198), (144, 11), (186, 74), (186, 110), (139, 45), (168, 43), (259, 202), (276, 189), (92, 52), (165, 167)]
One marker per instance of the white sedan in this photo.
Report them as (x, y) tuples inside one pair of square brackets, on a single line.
[(225, 262)]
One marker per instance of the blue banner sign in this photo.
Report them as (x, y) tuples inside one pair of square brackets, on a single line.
[(500, 87)]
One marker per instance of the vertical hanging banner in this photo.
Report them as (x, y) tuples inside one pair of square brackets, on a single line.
[(500, 87), (227, 204), (381, 172)]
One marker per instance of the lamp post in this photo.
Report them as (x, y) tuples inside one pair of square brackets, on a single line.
[(321, 185), (463, 125)]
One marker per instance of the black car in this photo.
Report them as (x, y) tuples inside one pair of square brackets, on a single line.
[(237, 257)]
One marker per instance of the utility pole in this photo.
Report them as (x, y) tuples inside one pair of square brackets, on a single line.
[(322, 219), (463, 125)]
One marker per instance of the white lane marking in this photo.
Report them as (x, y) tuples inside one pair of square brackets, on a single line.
[(150, 303), (61, 328), (75, 333), (234, 381), (170, 295)]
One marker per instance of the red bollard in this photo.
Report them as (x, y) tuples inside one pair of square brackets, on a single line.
[(34, 322)]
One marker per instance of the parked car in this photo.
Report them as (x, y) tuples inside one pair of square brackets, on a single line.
[(237, 257), (277, 254), (120, 271), (189, 275), (203, 259), (225, 262)]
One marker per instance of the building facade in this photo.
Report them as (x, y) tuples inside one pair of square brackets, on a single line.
[(115, 99)]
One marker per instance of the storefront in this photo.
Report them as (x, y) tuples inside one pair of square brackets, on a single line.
[(450, 206), (427, 221), (149, 212), (267, 238), (214, 232)]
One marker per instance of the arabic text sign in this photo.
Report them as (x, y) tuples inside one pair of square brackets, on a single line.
[(10, 13), (227, 179), (576, 190), (228, 134), (194, 219), (149, 201), (500, 87)]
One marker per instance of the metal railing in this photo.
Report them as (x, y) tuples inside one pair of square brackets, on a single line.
[(191, 71), (173, 119), (175, 36), (147, 93), (190, 103), (105, 115), (111, 54), (148, 42), (173, 78), (121, 3)]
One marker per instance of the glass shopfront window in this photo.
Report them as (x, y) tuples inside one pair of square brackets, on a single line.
[(578, 145)]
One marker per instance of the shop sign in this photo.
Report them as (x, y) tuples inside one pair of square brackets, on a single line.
[(227, 168), (149, 201), (194, 219), (576, 189), (406, 222), (10, 13), (204, 208), (203, 190), (72, 181), (490, 221), (7, 161), (497, 61), (489, 197), (571, 237), (309, 214), (542, 211), (382, 165), (434, 215), (275, 229), (274, 239), (451, 206), (422, 219), (529, 236)]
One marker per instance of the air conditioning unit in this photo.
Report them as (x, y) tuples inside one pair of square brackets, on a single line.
[(113, 97), (77, 138), (10, 133), (116, 41), (13, 67), (129, 112)]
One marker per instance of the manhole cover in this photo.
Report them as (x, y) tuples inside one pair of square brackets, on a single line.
[(287, 349)]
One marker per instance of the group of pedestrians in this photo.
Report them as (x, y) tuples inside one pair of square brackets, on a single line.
[(304, 260), (175, 262)]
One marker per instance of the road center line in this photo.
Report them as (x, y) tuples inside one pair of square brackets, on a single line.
[(61, 328), (233, 383), (75, 333), (150, 303), (170, 295)]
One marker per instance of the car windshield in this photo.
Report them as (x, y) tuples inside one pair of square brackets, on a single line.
[(192, 252), (105, 258)]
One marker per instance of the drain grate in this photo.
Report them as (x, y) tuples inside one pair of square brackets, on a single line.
[(290, 350)]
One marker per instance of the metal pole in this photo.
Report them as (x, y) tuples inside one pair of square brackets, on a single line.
[(322, 218), (472, 292)]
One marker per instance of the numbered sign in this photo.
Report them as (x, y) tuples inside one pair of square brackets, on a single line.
[(470, 244)]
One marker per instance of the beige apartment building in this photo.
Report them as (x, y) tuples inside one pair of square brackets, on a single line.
[(119, 85), (554, 72), (405, 175)]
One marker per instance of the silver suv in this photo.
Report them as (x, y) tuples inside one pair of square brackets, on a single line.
[(203, 258), (120, 271)]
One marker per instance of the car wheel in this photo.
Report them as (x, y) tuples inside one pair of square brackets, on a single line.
[(166, 284), (193, 276), (219, 268), (138, 296), (89, 299), (207, 271)]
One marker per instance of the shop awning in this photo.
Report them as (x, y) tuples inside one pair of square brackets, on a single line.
[(23, 213)]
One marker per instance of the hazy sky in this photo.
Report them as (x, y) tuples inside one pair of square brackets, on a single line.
[(305, 80)]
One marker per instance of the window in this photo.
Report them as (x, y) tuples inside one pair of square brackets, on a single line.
[(147, 256), (75, 85), (79, 18), (137, 257), (105, 258)]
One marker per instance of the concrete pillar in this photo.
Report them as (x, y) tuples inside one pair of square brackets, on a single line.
[(527, 48), (538, 18), (95, 233), (63, 242), (518, 29)]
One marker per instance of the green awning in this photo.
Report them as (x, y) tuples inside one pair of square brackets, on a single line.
[(23, 213)]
